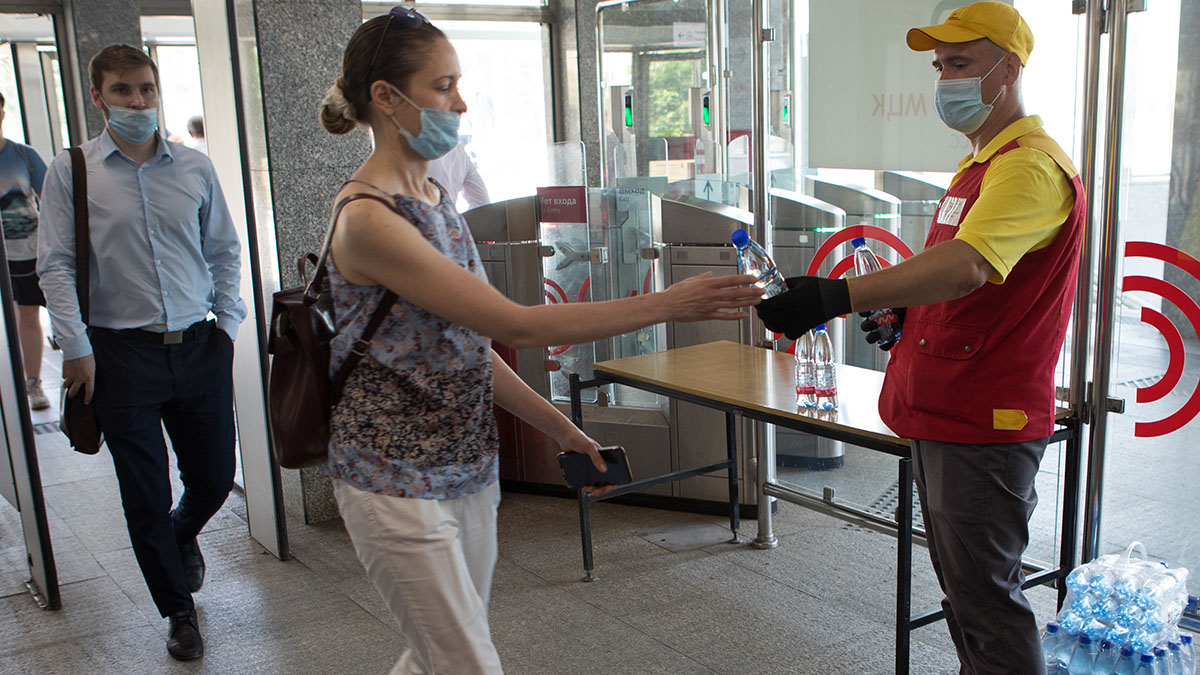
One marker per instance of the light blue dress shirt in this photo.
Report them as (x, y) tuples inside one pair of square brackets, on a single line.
[(164, 251)]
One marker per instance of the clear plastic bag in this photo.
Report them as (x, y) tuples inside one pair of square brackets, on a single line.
[(1125, 600)]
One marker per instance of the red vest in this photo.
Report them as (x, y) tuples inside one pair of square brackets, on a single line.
[(980, 369)]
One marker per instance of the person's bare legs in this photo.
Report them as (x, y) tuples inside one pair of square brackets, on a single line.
[(29, 328), (29, 332)]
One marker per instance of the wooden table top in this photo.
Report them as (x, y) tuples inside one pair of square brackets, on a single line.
[(758, 379)]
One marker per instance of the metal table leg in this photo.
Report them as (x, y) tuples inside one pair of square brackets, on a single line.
[(585, 531), (766, 526), (1070, 528), (731, 447), (904, 521)]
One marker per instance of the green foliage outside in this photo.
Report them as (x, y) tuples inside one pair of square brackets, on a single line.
[(669, 85)]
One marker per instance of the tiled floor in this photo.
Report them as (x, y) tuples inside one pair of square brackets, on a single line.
[(674, 597)]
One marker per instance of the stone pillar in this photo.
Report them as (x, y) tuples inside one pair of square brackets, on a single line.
[(290, 52), (89, 26)]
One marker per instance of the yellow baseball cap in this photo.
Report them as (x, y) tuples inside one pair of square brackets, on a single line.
[(995, 21)]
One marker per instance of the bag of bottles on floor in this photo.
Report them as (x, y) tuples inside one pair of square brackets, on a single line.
[(1121, 617)]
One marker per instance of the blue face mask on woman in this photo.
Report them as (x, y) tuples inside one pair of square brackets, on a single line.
[(439, 130), (960, 102), (134, 126)]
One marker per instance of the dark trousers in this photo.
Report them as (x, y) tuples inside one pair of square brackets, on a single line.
[(142, 387), (976, 501)]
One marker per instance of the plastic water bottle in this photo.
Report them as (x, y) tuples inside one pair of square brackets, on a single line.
[(1125, 586), (753, 259), (1127, 662), (866, 262), (1145, 665), (1188, 653), (1052, 638), (1083, 658), (1118, 636), (1174, 659), (1077, 581), (806, 372), (1095, 629), (1160, 661), (1106, 658), (1101, 584), (1141, 641), (1071, 622), (1130, 615), (1108, 609), (1153, 593), (826, 373)]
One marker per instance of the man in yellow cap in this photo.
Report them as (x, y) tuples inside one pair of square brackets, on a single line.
[(984, 311)]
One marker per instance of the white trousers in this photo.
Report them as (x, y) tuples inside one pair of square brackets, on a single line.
[(431, 561)]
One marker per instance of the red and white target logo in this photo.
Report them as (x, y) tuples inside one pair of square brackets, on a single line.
[(870, 232), (844, 235), (1169, 331), (555, 294)]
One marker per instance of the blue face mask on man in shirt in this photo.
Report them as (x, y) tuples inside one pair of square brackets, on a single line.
[(134, 126), (960, 102), (439, 130)]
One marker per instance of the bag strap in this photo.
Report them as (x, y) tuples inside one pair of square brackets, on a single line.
[(83, 275), (361, 347), (363, 344), (313, 288)]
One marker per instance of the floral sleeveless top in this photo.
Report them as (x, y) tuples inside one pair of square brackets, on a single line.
[(415, 418)]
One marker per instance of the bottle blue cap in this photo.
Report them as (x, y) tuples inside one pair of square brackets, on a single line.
[(1185, 639), (1126, 651), (820, 327), (1052, 627), (1147, 658), (858, 241), (740, 238), (1085, 640)]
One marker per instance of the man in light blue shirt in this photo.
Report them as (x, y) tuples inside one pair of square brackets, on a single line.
[(164, 256)]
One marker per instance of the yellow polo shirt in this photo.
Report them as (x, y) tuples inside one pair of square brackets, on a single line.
[(1024, 198)]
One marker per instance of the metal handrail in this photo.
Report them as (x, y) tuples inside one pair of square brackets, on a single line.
[(1109, 256)]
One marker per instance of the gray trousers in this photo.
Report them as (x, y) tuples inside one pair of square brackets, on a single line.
[(976, 501)]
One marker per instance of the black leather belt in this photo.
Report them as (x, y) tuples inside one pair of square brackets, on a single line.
[(195, 331)]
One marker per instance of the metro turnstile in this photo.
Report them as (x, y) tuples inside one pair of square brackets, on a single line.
[(697, 237), (863, 206), (918, 200), (506, 234), (800, 225)]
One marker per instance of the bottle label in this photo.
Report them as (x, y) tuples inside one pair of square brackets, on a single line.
[(826, 391)]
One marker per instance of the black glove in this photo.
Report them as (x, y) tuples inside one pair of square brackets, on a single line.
[(809, 302), (872, 329)]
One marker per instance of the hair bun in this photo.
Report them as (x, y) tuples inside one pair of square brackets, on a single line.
[(337, 113)]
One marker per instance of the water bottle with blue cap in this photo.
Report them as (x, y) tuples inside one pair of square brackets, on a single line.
[(753, 259)]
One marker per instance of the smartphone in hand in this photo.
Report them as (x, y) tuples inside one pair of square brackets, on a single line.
[(578, 470)]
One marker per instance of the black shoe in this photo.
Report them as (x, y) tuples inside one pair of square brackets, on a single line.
[(183, 641), (193, 565)]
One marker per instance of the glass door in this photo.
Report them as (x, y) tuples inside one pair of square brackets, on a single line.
[(1143, 486), (867, 140), (659, 104)]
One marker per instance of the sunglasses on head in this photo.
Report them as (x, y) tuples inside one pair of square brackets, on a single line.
[(409, 18)]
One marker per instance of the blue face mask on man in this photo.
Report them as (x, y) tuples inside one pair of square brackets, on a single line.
[(439, 130), (960, 102), (134, 126)]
